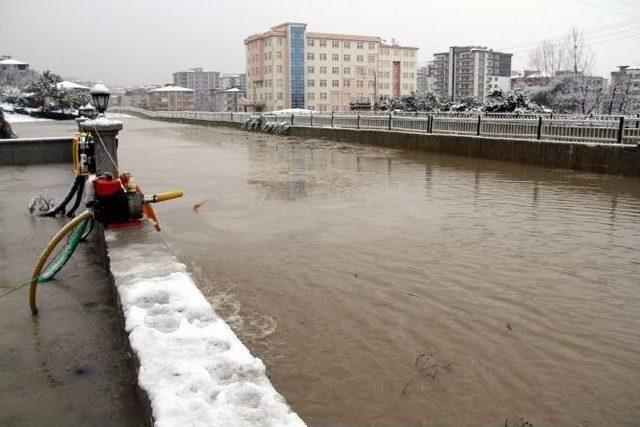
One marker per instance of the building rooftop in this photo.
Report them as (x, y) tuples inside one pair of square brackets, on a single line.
[(67, 85), (172, 88), (12, 62)]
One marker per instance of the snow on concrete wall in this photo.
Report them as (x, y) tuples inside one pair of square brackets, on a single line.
[(193, 368)]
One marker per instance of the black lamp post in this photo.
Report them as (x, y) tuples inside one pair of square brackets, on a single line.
[(100, 95)]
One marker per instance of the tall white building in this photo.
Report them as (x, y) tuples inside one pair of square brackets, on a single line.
[(471, 72), (288, 67)]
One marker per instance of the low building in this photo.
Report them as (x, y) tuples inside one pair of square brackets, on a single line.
[(7, 63), (232, 99), (624, 94), (171, 98), (529, 78), (72, 86), (425, 78), (201, 82), (136, 97), (471, 72)]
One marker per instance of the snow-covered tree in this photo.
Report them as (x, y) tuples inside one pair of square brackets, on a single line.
[(43, 87)]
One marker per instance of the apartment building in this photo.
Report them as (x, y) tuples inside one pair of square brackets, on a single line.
[(201, 82), (471, 71), (289, 67)]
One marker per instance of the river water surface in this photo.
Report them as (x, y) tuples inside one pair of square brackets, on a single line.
[(383, 287)]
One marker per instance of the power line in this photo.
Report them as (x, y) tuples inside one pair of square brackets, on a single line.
[(627, 4), (594, 43), (589, 39), (589, 31), (602, 7)]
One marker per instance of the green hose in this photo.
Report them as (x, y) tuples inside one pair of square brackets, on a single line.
[(64, 255)]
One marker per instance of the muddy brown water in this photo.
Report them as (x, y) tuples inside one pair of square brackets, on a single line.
[(387, 288)]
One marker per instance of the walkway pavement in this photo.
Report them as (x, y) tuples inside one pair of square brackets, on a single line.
[(68, 366)]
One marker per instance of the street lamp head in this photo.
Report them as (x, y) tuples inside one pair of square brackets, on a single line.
[(100, 95)]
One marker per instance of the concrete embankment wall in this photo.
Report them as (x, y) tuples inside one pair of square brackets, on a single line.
[(617, 159), (31, 151)]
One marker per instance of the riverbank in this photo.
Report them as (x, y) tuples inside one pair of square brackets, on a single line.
[(69, 365)]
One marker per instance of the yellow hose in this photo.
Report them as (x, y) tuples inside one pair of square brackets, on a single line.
[(162, 197), (47, 252)]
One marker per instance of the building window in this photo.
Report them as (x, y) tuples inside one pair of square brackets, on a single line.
[(335, 57), (310, 70), (360, 83), (323, 83), (360, 58), (335, 43), (371, 58), (279, 68), (360, 45), (372, 46), (323, 70), (279, 82), (323, 43), (279, 54), (310, 42), (310, 56), (323, 57), (279, 96), (335, 70), (346, 83), (346, 70), (347, 45), (323, 95), (311, 96), (311, 83), (335, 83), (347, 58)]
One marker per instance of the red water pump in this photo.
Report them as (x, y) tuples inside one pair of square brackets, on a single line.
[(114, 205)]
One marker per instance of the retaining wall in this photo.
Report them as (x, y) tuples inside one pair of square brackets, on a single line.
[(617, 159), (30, 151)]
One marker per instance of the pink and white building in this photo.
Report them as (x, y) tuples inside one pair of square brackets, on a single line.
[(288, 67)]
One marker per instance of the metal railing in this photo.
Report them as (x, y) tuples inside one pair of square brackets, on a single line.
[(570, 128)]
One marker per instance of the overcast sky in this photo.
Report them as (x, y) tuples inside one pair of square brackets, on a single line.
[(143, 41)]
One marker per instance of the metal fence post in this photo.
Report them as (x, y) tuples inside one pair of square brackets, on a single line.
[(311, 120), (332, 119), (621, 130), (292, 119), (358, 122), (539, 127), (430, 123), (479, 124), (390, 118)]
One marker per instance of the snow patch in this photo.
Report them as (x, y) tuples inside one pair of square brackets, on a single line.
[(192, 366), (22, 118)]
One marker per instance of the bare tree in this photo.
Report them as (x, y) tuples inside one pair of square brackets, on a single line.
[(548, 58), (580, 55), (570, 53)]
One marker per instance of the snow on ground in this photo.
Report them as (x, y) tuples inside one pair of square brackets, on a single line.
[(289, 111), (120, 116), (192, 366), (22, 118)]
